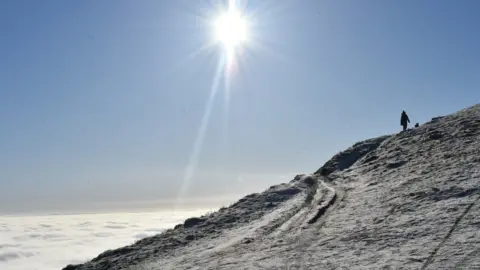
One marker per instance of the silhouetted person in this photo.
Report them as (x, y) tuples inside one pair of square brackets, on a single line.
[(404, 120)]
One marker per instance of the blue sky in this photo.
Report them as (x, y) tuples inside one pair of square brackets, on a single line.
[(102, 101)]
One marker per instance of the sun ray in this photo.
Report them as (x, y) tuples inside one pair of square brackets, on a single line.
[(226, 115), (231, 30), (197, 147)]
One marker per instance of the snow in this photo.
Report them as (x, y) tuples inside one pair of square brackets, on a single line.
[(405, 201)]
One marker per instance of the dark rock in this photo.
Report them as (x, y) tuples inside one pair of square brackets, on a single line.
[(298, 177), (189, 237), (178, 226), (435, 135), (247, 240), (287, 191), (324, 171), (370, 159), (252, 195), (228, 219), (190, 222), (115, 252), (243, 199), (309, 180), (275, 198)]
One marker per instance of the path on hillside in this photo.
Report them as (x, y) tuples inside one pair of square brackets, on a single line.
[(290, 229), (312, 232)]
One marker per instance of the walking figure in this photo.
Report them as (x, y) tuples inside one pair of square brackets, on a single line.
[(404, 120)]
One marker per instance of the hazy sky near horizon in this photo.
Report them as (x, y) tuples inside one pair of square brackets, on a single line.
[(103, 101)]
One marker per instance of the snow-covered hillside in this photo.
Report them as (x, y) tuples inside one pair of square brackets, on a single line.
[(405, 201)]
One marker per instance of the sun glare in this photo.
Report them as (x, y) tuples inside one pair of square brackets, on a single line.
[(231, 29)]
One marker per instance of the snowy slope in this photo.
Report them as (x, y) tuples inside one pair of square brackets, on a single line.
[(406, 201)]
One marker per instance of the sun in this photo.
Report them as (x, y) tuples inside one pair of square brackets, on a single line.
[(231, 31)]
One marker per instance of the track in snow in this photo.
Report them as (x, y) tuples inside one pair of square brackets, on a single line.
[(449, 234), (313, 213)]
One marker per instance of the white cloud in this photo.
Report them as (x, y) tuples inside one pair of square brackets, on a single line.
[(52, 242)]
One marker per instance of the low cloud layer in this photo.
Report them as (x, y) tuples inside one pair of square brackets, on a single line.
[(52, 242)]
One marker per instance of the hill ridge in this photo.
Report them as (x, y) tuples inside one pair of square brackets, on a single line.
[(404, 201)]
